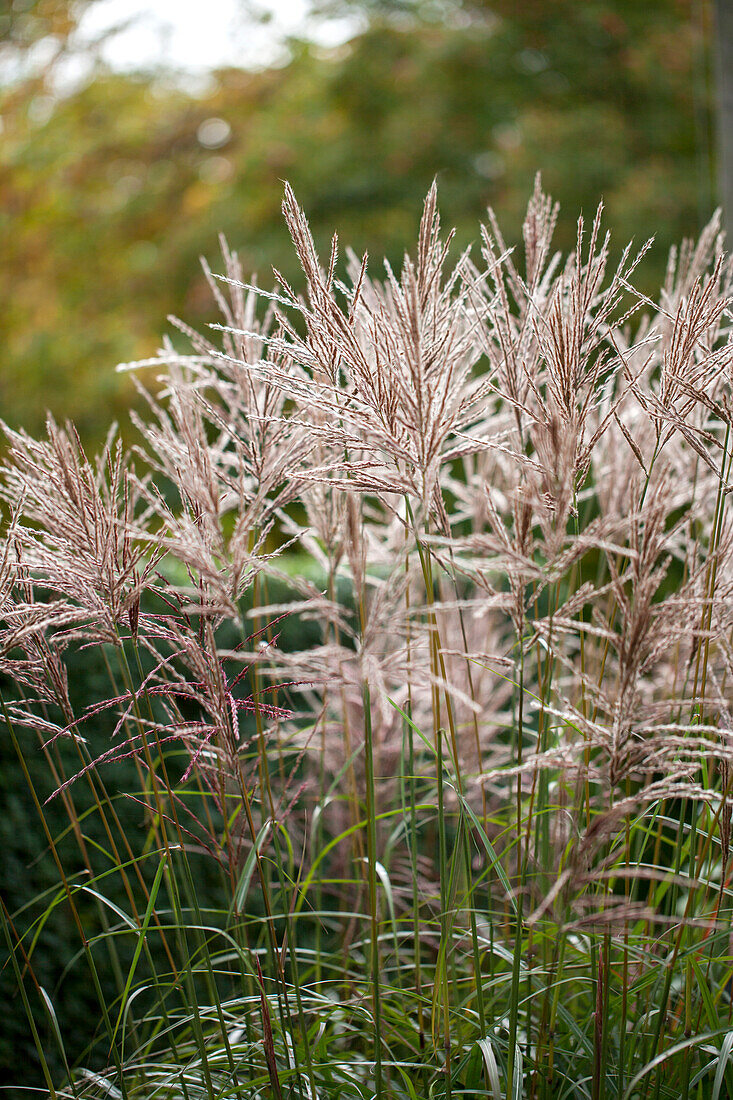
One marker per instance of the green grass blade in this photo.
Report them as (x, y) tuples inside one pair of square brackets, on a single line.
[(140, 942)]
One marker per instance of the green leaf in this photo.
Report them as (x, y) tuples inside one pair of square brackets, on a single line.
[(491, 1068), (140, 942)]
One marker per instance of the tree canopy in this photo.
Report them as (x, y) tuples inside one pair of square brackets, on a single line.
[(110, 193)]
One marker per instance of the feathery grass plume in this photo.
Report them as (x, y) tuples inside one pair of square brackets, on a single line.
[(223, 446), (74, 527), (26, 624), (387, 380)]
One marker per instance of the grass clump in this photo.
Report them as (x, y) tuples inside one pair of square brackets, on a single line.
[(448, 812)]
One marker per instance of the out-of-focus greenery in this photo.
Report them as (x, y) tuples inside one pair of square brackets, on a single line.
[(23, 23), (109, 195)]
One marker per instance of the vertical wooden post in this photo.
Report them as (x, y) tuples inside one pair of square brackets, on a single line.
[(723, 52)]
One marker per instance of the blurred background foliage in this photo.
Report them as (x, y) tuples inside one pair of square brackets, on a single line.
[(111, 189)]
